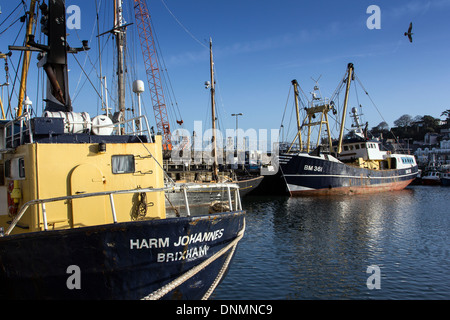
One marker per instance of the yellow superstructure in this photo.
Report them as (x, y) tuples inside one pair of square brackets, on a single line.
[(49, 170)]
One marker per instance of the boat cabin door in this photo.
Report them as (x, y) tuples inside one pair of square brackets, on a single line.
[(88, 178)]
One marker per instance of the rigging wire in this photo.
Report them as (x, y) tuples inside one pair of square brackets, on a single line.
[(285, 107), (10, 14), (373, 103), (166, 77), (182, 26), (87, 76), (18, 19)]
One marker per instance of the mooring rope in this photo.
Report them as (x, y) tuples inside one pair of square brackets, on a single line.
[(159, 293)]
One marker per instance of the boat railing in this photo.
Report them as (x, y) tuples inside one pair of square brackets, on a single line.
[(184, 188), (134, 126), (17, 132)]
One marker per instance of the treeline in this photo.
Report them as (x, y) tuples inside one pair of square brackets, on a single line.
[(407, 127)]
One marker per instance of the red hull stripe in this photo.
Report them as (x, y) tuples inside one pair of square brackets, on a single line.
[(394, 186)]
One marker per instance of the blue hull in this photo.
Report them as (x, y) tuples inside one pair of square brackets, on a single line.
[(309, 175), (118, 261)]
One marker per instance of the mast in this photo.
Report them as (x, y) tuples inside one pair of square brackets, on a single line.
[(53, 56), (344, 112), (323, 107), (213, 114), (4, 56), (299, 126), (26, 59), (119, 32)]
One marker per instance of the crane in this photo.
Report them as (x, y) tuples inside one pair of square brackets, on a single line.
[(143, 23)]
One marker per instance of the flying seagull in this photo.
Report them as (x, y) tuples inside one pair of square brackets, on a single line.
[(409, 33)]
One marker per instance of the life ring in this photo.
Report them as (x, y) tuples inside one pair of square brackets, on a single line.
[(12, 205)]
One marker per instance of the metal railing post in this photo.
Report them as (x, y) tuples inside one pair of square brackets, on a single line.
[(113, 208), (186, 202), (230, 203), (238, 199), (44, 216)]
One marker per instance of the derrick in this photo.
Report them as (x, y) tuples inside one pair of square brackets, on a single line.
[(143, 23)]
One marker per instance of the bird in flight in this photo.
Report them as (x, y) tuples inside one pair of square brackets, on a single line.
[(409, 33)]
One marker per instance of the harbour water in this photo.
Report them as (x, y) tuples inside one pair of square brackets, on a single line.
[(321, 248)]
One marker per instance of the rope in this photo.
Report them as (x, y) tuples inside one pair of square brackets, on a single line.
[(224, 267), (376, 108), (158, 294), (182, 26)]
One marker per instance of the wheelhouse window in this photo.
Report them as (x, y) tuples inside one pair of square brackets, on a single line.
[(2, 174), (14, 168), (122, 164), (21, 165), (8, 168)]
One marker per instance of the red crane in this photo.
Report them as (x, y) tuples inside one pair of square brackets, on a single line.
[(143, 23)]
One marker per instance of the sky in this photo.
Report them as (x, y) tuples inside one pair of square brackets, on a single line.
[(260, 46)]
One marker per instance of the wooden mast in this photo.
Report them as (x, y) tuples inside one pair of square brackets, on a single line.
[(344, 112), (26, 60), (299, 126), (215, 173), (120, 43)]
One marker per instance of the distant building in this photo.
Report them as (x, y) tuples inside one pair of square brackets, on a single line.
[(431, 138)]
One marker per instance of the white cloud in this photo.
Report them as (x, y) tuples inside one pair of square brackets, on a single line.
[(260, 45), (416, 7)]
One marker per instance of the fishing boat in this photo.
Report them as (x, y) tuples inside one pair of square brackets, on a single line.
[(445, 179), (433, 172), (83, 213), (431, 178), (353, 164), (213, 172)]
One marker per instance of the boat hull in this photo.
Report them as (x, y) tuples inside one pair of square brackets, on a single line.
[(201, 200), (431, 182), (308, 175), (445, 181), (128, 260), (248, 184)]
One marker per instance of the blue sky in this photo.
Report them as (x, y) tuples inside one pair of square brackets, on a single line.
[(260, 46)]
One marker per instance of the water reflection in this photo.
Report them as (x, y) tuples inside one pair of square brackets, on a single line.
[(308, 248)]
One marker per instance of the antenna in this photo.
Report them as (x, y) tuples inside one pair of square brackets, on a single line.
[(316, 88)]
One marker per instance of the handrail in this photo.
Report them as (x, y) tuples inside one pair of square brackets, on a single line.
[(175, 187), (24, 123), (132, 122), (17, 135)]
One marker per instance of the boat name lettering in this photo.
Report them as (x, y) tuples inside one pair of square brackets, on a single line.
[(190, 254), (313, 168), (199, 237), (181, 241), (149, 243)]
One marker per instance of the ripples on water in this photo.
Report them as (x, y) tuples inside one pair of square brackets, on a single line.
[(320, 248)]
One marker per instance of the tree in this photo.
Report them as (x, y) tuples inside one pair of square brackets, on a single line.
[(404, 121), (382, 126), (431, 124), (446, 114), (417, 119)]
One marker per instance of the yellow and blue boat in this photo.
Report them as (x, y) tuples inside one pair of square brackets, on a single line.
[(83, 212)]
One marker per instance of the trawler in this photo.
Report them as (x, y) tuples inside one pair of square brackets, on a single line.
[(209, 173), (353, 164), (83, 213)]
